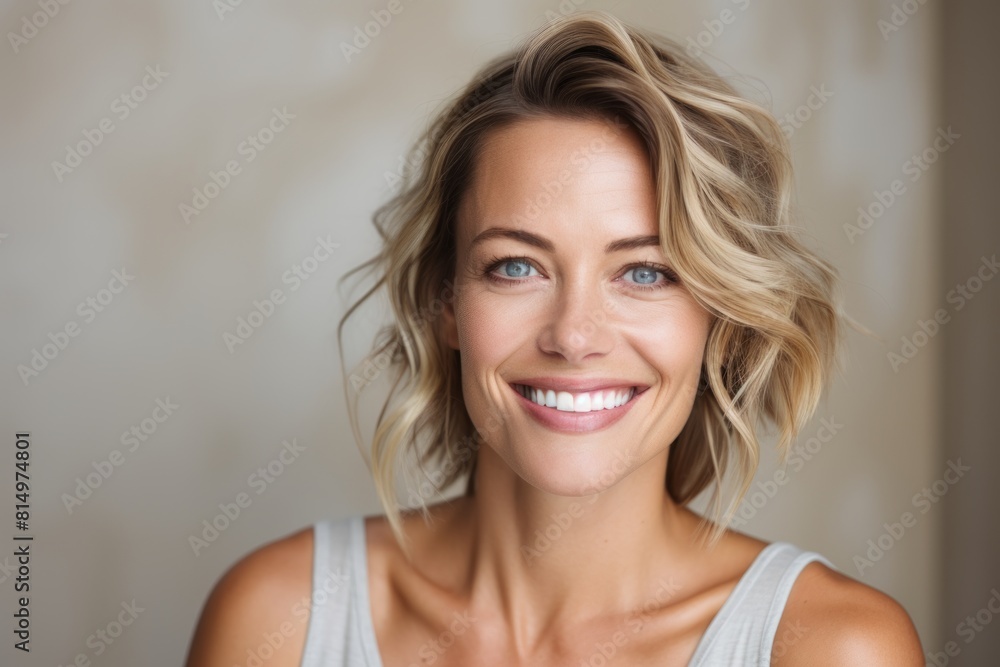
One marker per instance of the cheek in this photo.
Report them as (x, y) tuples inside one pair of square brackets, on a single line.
[(484, 340), (489, 328), (672, 334)]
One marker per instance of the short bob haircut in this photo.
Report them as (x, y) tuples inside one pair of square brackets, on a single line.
[(723, 181)]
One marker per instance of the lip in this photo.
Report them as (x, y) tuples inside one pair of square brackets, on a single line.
[(579, 385), (577, 422)]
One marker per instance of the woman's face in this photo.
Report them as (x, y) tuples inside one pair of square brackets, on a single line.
[(551, 292)]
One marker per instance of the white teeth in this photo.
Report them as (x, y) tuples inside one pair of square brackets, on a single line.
[(583, 402)]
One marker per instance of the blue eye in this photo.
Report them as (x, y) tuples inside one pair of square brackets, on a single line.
[(515, 269), (648, 275), (645, 273), (517, 273)]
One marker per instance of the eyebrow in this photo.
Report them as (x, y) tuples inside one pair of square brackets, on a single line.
[(629, 243)]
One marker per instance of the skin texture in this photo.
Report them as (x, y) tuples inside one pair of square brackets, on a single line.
[(624, 556)]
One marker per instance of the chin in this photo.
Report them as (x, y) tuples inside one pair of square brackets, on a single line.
[(570, 470)]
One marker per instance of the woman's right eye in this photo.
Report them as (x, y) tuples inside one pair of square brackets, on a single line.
[(515, 268), (508, 270)]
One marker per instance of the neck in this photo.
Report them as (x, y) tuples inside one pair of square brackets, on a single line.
[(539, 562)]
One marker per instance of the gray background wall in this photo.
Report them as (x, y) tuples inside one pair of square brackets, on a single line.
[(970, 539), (63, 234)]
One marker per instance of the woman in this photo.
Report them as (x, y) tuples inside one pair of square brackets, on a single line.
[(597, 296)]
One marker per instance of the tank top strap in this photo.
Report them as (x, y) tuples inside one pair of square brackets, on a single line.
[(743, 630), (330, 615)]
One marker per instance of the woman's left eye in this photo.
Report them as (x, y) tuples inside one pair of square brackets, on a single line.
[(644, 274)]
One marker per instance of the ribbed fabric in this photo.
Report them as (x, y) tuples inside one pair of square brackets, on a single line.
[(742, 632), (340, 632)]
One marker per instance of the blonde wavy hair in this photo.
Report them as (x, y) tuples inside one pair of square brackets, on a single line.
[(723, 180)]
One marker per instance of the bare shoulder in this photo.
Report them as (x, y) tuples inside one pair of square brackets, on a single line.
[(831, 619), (259, 606)]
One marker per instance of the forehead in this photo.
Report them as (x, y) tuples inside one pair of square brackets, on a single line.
[(561, 175)]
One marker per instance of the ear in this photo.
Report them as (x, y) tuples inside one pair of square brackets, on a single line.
[(449, 325)]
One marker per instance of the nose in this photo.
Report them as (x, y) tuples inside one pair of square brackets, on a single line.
[(579, 323)]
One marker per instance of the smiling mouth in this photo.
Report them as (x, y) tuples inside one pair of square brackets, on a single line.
[(590, 401)]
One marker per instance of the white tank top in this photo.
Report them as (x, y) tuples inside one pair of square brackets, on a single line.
[(340, 632)]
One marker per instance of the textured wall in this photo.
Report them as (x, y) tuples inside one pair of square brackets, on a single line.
[(159, 96)]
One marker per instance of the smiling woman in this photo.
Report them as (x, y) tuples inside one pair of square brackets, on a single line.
[(626, 302)]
